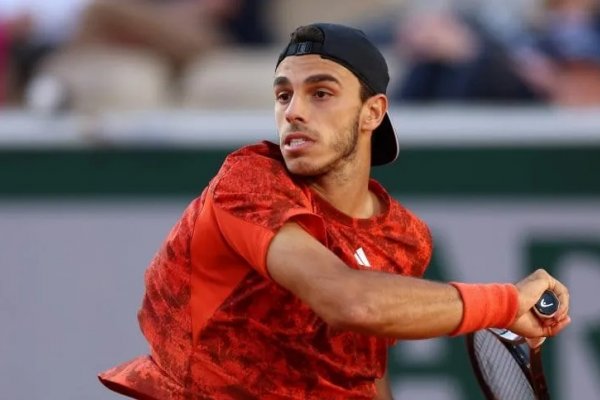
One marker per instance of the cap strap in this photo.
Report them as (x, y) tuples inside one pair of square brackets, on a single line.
[(296, 49)]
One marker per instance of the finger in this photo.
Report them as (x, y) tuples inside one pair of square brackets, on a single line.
[(562, 293), (554, 321), (557, 328), (531, 289), (534, 343)]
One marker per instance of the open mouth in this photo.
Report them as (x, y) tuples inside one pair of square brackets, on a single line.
[(296, 141)]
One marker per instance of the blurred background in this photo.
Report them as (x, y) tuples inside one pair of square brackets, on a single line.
[(114, 114)]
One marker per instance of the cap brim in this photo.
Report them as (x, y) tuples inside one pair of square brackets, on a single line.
[(384, 143)]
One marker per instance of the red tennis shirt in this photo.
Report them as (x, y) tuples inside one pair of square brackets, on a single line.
[(220, 328)]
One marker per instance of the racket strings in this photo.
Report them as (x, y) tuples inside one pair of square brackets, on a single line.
[(500, 370)]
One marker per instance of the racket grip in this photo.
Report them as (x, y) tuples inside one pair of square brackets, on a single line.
[(547, 305)]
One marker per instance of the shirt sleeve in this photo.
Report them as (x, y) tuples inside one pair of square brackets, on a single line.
[(252, 200)]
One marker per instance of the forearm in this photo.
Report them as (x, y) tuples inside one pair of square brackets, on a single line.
[(402, 307), (380, 303)]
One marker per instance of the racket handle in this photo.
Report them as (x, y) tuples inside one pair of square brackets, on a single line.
[(547, 305)]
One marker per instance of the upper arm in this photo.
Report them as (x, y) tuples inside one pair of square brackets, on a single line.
[(301, 264), (250, 200)]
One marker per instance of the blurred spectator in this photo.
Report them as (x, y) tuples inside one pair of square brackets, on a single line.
[(29, 30), (130, 53), (452, 58), (457, 56), (178, 29), (571, 44), (13, 30)]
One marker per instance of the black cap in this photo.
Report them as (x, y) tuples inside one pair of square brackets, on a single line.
[(350, 48)]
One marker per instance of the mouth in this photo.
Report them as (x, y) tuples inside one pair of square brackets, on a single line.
[(296, 141)]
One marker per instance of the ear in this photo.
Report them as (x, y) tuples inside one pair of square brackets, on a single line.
[(373, 111)]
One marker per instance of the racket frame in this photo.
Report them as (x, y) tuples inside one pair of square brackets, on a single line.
[(530, 362)]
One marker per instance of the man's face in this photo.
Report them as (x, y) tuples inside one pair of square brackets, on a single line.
[(317, 105)]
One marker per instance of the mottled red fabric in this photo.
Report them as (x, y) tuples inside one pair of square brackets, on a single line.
[(220, 328), (142, 379)]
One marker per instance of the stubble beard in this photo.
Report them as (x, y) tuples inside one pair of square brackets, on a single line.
[(345, 147)]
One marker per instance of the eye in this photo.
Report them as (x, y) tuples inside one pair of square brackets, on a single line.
[(283, 97), (321, 94)]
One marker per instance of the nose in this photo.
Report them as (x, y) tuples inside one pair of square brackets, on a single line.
[(295, 110)]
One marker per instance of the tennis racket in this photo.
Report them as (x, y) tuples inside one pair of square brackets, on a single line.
[(505, 365)]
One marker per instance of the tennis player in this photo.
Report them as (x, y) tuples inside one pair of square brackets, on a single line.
[(294, 272)]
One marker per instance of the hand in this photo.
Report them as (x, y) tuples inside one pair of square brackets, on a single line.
[(529, 325), (535, 343)]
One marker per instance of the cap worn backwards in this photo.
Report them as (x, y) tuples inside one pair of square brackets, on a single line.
[(351, 48)]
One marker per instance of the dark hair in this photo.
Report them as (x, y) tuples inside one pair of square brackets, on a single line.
[(365, 91), (307, 34), (313, 34)]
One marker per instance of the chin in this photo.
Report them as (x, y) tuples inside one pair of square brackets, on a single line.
[(302, 167)]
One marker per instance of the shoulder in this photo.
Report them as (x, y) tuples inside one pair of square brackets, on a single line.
[(412, 223), (251, 167), (404, 219), (264, 150), (257, 170), (414, 233)]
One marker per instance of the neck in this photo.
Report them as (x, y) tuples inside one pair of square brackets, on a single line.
[(348, 191)]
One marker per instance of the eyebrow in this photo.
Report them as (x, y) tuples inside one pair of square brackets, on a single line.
[(318, 78)]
